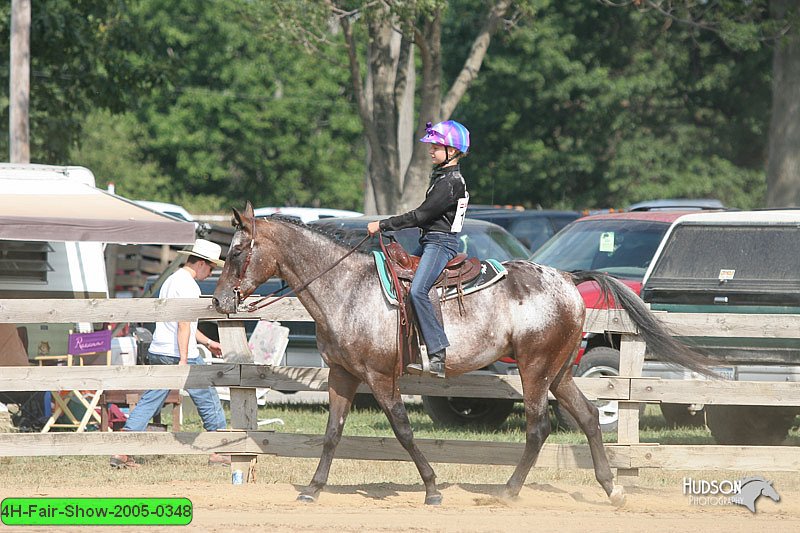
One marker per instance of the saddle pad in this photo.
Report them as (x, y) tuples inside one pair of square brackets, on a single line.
[(386, 280), (492, 271)]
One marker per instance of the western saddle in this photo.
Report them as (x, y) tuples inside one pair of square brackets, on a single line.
[(460, 269)]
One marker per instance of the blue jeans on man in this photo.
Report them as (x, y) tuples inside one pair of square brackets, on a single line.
[(206, 400), (435, 250)]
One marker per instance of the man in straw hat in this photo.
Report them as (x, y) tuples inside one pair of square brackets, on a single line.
[(175, 343)]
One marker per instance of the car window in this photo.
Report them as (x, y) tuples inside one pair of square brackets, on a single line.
[(481, 241), (734, 253), (560, 223), (533, 232), (623, 248)]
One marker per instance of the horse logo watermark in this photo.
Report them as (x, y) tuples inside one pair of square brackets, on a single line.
[(751, 489), (743, 492)]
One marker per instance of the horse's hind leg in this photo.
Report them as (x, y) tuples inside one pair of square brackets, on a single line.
[(341, 390), (537, 430), (388, 396), (585, 413)]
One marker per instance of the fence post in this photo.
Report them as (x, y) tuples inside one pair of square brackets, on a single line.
[(244, 405), (631, 361)]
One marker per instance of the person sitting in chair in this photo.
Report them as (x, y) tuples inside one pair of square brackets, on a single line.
[(440, 218)]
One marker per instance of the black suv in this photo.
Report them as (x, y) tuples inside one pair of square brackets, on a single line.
[(532, 227)]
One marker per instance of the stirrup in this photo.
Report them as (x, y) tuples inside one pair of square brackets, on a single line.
[(435, 369)]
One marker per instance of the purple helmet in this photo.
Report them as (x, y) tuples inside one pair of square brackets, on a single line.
[(448, 133)]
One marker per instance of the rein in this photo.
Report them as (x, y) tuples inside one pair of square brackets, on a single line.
[(254, 306)]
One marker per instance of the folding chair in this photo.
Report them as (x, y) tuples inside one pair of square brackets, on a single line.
[(80, 346)]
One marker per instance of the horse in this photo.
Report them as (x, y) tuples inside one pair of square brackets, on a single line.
[(537, 316), (752, 489)]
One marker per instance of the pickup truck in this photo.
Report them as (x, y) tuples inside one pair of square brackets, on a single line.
[(734, 262)]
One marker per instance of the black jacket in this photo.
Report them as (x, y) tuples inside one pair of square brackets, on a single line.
[(438, 211)]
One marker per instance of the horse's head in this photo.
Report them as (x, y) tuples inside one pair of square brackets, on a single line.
[(769, 491), (250, 262)]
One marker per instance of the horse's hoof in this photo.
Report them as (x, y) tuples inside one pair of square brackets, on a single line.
[(617, 496), (305, 498), (434, 499), (509, 495)]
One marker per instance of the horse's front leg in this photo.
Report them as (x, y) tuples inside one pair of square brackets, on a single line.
[(341, 390), (388, 396)]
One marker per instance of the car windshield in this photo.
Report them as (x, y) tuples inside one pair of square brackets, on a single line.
[(738, 254), (481, 241), (622, 247)]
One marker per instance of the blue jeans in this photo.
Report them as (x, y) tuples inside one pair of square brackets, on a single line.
[(435, 250), (150, 403)]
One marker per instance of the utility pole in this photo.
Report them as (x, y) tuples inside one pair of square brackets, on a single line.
[(20, 82)]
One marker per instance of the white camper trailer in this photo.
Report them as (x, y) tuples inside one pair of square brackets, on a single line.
[(54, 225)]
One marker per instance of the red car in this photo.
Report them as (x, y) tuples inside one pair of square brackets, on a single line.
[(623, 245)]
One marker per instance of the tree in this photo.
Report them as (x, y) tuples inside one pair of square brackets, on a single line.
[(396, 37), (750, 26), (783, 164), (596, 107), (83, 56), (235, 117)]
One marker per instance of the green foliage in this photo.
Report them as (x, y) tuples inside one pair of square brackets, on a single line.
[(213, 103), (82, 58), (240, 116), (586, 106), (110, 148)]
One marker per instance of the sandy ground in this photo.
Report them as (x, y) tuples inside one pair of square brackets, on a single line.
[(466, 508), (564, 501)]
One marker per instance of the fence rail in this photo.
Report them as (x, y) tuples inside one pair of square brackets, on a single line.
[(245, 441)]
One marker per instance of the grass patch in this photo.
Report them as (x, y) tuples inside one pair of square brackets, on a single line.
[(312, 419)]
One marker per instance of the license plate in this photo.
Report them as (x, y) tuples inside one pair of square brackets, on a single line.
[(726, 372)]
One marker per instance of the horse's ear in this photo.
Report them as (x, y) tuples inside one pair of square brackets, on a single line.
[(248, 210), (236, 221)]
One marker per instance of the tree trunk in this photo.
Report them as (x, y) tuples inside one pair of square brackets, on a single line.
[(783, 163), (398, 166), (19, 82)]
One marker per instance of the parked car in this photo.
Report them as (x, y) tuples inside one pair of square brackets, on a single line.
[(533, 227), (305, 214), (623, 245), (734, 262), (173, 210), (683, 204)]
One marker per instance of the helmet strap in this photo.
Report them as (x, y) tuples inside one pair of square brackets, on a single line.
[(449, 157)]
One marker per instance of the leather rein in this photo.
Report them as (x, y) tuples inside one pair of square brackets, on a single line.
[(254, 306)]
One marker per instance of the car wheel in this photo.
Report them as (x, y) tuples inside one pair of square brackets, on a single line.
[(678, 415), (597, 362), (467, 412), (754, 425)]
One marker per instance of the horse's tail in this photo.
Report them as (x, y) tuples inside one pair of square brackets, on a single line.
[(660, 341)]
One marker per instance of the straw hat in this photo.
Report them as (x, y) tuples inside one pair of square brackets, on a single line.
[(205, 250)]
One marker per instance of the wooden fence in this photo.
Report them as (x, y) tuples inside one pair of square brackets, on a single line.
[(245, 441)]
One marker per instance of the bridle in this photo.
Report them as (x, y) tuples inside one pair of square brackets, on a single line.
[(254, 306)]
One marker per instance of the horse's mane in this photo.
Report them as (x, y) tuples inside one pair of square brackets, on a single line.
[(346, 238)]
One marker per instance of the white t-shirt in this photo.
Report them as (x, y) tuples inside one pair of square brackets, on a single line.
[(181, 284)]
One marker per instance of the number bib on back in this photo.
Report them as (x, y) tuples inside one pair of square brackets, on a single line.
[(461, 212)]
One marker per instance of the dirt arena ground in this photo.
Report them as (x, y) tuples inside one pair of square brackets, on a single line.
[(563, 505)]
